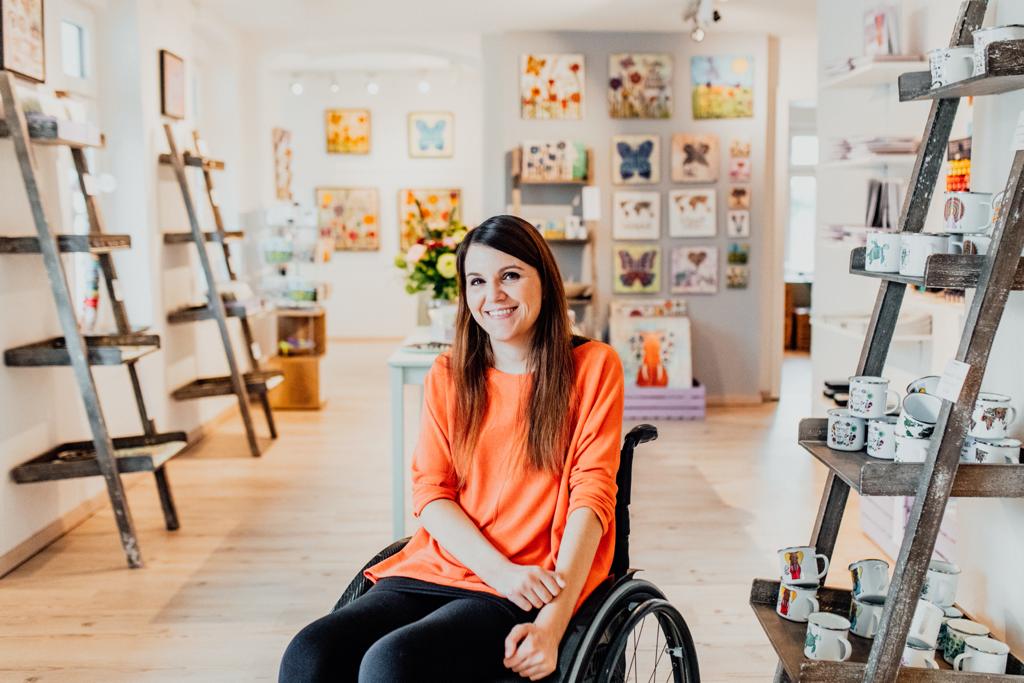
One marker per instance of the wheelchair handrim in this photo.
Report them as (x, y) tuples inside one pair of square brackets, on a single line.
[(678, 642)]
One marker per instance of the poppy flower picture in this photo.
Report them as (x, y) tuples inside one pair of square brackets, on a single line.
[(551, 86), (348, 131), (640, 86)]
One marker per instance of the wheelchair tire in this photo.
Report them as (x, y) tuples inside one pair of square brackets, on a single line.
[(360, 584), (629, 656), (584, 656)]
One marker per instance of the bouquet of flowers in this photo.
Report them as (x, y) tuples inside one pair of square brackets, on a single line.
[(429, 264)]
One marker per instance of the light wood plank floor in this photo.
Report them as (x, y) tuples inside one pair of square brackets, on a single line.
[(268, 544)]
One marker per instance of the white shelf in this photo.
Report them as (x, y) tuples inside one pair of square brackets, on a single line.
[(872, 161), (875, 74)]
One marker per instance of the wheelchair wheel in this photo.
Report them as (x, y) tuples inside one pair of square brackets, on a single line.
[(653, 644), (589, 653)]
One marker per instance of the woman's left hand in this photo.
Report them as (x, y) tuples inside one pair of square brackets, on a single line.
[(531, 651)]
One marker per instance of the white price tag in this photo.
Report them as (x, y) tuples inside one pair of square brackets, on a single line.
[(116, 286), (952, 381), (257, 352), (1018, 135), (89, 184)]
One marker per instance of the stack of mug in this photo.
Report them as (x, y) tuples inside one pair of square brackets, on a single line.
[(865, 420), (952, 64)]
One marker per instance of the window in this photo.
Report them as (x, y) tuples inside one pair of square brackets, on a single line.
[(72, 49), (803, 187)]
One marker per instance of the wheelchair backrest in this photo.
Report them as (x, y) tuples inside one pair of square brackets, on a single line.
[(624, 480)]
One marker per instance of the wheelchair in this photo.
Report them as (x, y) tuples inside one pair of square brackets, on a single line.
[(625, 630)]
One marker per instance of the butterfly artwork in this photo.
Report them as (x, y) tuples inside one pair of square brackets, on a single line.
[(739, 197), (695, 158), (636, 215), (635, 160), (694, 270), (551, 86), (637, 269), (692, 213), (640, 86), (739, 170), (431, 134), (737, 223)]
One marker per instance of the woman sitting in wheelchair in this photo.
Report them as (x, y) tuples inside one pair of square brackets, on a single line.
[(513, 482)]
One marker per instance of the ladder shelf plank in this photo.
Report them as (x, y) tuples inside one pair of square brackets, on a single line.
[(95, 243), (942, 271), (214, 236), (194, 161), (133, 454), (102, 350), (233, 309), (257, 383), (1004, 73), (50, 130)]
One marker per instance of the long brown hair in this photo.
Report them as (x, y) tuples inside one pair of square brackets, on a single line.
[(551, 404)]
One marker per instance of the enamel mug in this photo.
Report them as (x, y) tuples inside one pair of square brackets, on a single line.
[(869, 397), (939, 587), (926, 623), (984, 655), (919, 415), (950, 64), (882, 254), (996, 452), (983, 37), (796, 603), (870, 579), (846, 432), (911, 450), (924, 385), (948, 613), (827, 637), (918, 655), (957, 633), (992, 415), (881, 439), (968, 212), (800, 566), (865, 616), (916, 247)]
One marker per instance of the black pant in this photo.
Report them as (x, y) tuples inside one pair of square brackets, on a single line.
[(403, 630)]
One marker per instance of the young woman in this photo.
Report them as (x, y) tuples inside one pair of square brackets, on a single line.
[(513, 482)]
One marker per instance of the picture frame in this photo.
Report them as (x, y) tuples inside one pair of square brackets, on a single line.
[(637, 268), (695, 158), (693, 212), (636, 215), (636, 160), (23, 39), (640, 85), (172, 85), (431, 134), (551, 86), (347, 131), (694, 269), (351, 215)]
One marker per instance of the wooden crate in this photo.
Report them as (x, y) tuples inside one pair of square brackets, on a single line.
[(307, 326), (802, 320), (658, 403), (301, 388)]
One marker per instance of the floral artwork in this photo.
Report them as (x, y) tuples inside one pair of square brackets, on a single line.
[(637, 269), (554, 160), (348, 131), (692, 213), (426, 209), (737, 274), (739, 148), (21, 37), (694, 270), (282, 163), (551, 86), (636, 216), (723, 87), (739, 170), (739, 197), (351, 216), (737, 223), (653, 342), (635, 159), (694, 158), (640, 86), (431, 134)]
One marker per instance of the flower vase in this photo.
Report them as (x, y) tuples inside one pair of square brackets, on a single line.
[(442, 315)]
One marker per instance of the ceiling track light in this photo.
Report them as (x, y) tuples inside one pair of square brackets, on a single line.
[(296, 86), (335, 87), (372, 86)]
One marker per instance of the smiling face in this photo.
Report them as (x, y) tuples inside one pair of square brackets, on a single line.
[(503, 294)]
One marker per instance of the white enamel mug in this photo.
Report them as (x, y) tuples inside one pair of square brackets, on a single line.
[(996, 452), (870, 579), (957, 633), (992, 416), (882, 254), (948, 614), (916, 247), (800, 566), (983, 37), (939, 587), (919, 415), (865, 616), (950, 64), (881, 439), (924, 385), (911, 450), (846, 432), (796, 603), (869, 396), (926, 623), (984, 655), (977, 244), (968, 212), (827, 637), (918, 655)]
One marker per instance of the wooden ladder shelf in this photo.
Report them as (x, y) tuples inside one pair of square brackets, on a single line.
[(102, 456), (257, 382), (941, 475)]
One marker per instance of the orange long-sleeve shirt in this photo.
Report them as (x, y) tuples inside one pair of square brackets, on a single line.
[(520, 510)]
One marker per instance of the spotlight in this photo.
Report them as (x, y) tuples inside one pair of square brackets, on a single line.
[(334, 87), (296, 86), (697, 33), (373, 87), (423, 86)]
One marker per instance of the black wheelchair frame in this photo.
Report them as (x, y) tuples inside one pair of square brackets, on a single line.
[(593, 647)]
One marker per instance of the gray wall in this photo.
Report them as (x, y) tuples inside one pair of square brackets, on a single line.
[(727, 326)]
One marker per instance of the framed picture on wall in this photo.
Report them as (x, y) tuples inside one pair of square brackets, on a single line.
[(636, 160), (637, 269), (172, 85), (640, 86), (431, 134), (348, 131), (636, 216), (282, 163), (551, 86), (723, 87), (692, 213), (694, 158), (350, 215), (22, 38), (694, 270)]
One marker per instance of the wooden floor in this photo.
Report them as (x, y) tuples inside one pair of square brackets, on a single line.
[(268, 544)]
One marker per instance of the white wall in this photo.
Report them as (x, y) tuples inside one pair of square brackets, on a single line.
[(368, 297)]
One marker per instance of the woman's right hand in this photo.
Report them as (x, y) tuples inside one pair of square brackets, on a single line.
[(528, 586)]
